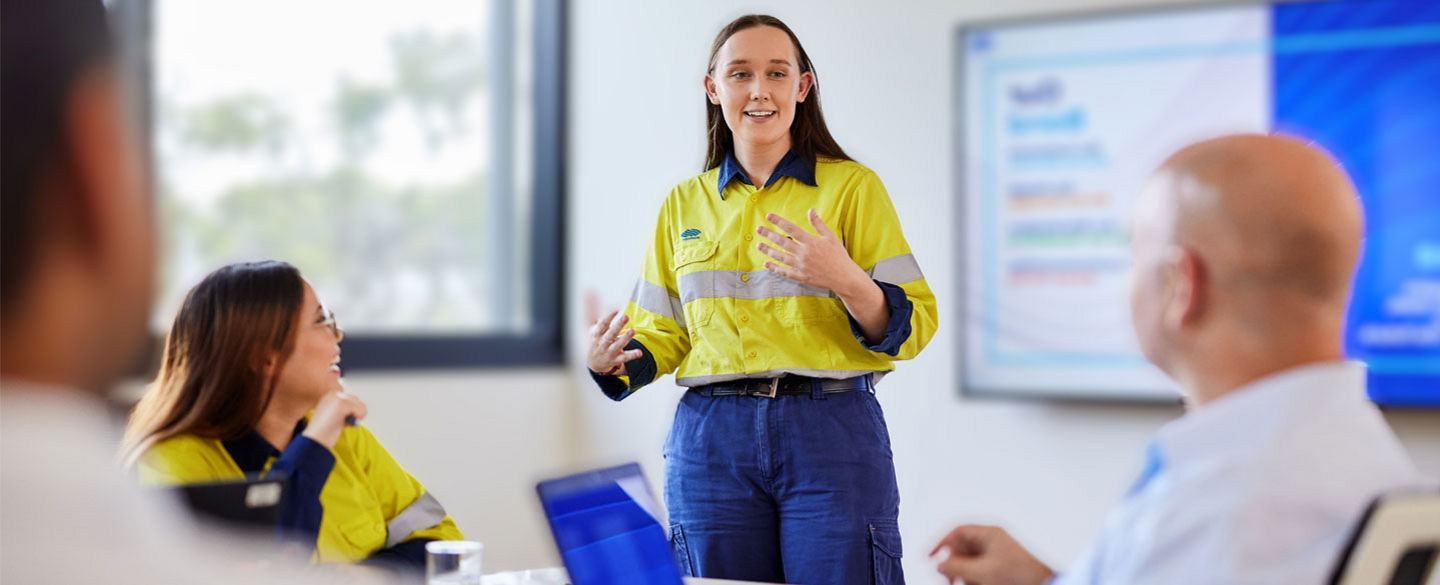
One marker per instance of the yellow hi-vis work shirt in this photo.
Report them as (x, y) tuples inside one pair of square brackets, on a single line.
[(707, 307), (370, 503)]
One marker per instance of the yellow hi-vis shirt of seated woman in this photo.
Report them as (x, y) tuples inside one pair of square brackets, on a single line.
[(707, 307), (370, 504)]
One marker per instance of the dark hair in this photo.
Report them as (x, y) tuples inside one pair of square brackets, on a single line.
[(45, 47), (212, 378), (809, 137)]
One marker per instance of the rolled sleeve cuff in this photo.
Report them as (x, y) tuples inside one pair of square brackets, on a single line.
[(897, 330), (308, 465), (641, 371), (408, 556)]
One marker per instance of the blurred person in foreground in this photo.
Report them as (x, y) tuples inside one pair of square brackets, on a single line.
[(75, 289), (250, 386), (1244, 248)]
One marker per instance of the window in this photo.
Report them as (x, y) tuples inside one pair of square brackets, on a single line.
[(404, 156)]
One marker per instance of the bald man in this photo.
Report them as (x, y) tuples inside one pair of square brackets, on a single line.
[(1243, 250)]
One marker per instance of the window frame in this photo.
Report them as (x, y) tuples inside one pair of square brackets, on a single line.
[(543, 343)]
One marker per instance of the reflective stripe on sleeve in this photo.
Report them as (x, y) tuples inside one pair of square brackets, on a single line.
[(897, 269), (656, 299), (423, 513)]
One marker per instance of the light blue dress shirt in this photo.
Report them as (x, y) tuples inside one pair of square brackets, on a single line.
[(1262, 486)]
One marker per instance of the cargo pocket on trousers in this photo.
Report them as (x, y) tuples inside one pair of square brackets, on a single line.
[(682, 550), (885, 553)]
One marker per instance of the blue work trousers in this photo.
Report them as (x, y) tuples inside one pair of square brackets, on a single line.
[(791, 489)]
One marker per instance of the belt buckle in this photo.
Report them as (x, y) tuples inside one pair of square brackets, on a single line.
[(774, 387)]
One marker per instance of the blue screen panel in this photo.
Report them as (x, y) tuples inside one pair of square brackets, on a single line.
[(1362, 79)]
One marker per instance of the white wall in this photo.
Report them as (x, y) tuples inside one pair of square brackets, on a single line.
[(479, 440), (1048, 471)]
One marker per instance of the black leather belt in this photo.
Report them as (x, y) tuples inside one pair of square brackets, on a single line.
[(787, 386)]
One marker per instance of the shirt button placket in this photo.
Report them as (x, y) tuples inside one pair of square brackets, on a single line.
[(742, 320)]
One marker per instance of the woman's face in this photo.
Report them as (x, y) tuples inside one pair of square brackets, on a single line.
[(313, 369), (757, 83)]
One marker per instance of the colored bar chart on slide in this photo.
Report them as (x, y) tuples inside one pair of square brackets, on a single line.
[(1061, 121)]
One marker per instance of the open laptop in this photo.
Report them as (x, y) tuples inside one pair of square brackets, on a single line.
[(244, 504), (607, 525)]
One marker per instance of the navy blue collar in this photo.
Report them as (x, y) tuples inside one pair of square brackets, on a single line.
[(790, 166), (251, 452)]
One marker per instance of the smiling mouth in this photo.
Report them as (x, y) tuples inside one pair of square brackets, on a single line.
[(760, 115)]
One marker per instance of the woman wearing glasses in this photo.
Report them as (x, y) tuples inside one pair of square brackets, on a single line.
[(249, 386)]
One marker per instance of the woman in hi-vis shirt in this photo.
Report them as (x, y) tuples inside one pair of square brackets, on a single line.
[(250, 387), (779, 289)]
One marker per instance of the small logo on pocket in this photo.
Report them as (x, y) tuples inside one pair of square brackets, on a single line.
[(690, 234)]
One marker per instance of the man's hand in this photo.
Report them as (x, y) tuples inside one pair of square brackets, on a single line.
[(986, 555)]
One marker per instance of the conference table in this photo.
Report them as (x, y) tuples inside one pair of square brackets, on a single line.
[(556, 576)]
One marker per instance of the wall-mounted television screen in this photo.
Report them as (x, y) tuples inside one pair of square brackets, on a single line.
[(1060, 120)]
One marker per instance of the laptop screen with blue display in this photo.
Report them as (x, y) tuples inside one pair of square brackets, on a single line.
[(607, 526)]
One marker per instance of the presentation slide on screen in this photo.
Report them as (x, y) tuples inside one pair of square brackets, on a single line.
[(1063, 120)]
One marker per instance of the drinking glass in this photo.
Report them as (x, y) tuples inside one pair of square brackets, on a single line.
[(452, 562)]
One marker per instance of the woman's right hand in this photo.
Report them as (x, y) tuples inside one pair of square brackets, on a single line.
[(605, 352), (330, 417)]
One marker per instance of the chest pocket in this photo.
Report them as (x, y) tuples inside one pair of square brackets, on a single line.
[(697, 289)]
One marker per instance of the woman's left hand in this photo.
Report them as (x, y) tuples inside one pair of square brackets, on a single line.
[(817, 260), (333, 413)]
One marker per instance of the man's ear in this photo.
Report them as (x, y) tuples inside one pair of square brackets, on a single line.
[(81, 167), (709, 84), (1186, 302), (100, 194)]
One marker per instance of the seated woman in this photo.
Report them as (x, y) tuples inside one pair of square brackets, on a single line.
[(250, 385)]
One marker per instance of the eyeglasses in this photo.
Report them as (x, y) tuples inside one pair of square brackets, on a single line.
[(330, 322)]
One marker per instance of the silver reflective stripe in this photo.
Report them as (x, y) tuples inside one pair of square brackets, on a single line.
[(760, 284), (897, 269), (424, 512), (693, 381), (657, 300)]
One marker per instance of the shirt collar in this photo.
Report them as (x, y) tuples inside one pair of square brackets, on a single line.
[(1248, 416), (791, 165), (251, 452)]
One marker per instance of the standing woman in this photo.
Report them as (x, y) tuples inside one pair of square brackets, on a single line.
[(781, 288)]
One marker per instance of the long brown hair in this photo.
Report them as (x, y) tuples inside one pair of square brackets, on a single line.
[(212, 381), (809, 137)]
